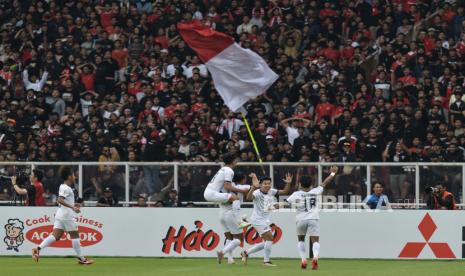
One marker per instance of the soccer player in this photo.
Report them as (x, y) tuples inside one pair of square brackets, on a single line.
[(307, 219), (231, 221), (65, 218), (263, 198), (223, 181)]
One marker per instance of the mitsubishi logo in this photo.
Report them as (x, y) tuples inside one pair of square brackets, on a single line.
[(440, 249)]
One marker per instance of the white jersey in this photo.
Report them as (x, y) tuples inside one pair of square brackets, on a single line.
[(225, 174), (227, 206), (261, 204), (65, 213), (306, 203)]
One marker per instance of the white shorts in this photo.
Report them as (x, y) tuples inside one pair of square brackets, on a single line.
[(214, 196), (230, 223), (67, 225), (261, 226), (310, 226)]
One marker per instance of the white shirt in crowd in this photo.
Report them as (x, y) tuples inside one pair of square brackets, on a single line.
[(37, 85), (292, 134), (188, 70), (230, 125)]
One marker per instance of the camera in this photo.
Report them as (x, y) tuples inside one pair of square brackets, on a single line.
[(431, 189)]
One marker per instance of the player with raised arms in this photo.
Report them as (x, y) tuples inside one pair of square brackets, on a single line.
[(307, 219), (263, 196), (65, 218)]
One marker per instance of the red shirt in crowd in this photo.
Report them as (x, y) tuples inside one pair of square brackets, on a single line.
[(88, 80), (134, 87), (120, 56), (324, 109)]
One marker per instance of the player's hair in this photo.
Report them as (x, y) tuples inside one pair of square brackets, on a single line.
[(305, 181), (65, 172), (228, 158), (264, 178), (238, 178), (38, 174)]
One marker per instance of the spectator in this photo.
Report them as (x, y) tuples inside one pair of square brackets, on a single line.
[(172, 200), (141, 202), (440, 199), (107, 200), (378, 200), (34, 190)]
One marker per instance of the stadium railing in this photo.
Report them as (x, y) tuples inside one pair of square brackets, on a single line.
[(404, 182)]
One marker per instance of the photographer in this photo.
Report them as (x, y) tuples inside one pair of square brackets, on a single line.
[(34, 191), (440, 199)]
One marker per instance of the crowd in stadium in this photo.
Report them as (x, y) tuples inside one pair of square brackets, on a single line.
[(112, 80), (369, 80)]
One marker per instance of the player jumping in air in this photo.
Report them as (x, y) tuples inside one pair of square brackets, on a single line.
[(222, 181), (307, 219), (263, 198), (231, 220), (65, 218)]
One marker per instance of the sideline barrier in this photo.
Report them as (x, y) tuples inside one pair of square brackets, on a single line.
[(196, 232), (404, 182)]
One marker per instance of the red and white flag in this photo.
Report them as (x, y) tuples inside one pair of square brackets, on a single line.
[(239, 74)]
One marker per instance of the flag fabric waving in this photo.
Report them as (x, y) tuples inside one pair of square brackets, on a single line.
[(239, 74)]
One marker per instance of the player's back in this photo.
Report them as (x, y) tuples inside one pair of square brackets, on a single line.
[(225, 174), (306, 203), (227, 206)]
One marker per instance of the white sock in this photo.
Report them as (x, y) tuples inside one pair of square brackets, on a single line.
[(316, 250), (231, 246), (236, 205), (256, 248), (77, 247), (268, 245), (301, 249), (47, 242)]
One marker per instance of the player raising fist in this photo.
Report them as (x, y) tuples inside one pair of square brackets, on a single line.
[(263, 198), (307, 219)]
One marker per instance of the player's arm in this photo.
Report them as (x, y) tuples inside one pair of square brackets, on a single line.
[(330, 177), (255, 185), (287, 187), (18, 190), (228, 186), (61, 201)]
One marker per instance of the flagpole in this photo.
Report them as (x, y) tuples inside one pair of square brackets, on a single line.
[(253, 142)]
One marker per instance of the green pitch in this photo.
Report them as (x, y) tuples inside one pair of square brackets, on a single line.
[(18, 266)]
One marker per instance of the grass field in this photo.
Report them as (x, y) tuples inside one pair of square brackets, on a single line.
[(18, 266)]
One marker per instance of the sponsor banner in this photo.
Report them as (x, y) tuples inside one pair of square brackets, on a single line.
[(196, 232)]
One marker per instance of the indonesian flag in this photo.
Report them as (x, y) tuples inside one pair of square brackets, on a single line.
[(239, 74)]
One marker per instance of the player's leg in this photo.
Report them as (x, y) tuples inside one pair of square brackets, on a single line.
[(316, 251), (314, 231), (228, 239), (301, 249), (58, 230), (72, 229), (301, 230), (268, 243), (230, 222), (261, 228), (214, 196)]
